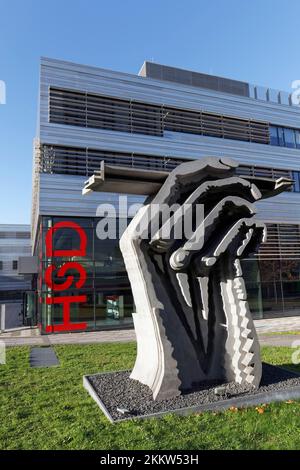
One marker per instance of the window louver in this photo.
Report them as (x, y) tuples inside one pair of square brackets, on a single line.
[(103, 112), (283, 242), (84, 161), (263, 172)]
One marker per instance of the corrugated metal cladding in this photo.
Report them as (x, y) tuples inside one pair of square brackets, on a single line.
[(14, 242), (61, 194), (174, 145), (71, 76)]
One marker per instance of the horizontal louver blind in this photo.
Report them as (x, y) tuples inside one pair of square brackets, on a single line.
[(21, 235), (85, 161), (102, 112), (264, 172), (283, 242)]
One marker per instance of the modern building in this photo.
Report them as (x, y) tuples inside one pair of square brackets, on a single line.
[(14, 242), (154, 120)]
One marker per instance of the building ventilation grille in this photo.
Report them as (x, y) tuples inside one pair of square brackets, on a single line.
[(102, 112), (85, 161), (283, 242), (263, 172), (17, 235)]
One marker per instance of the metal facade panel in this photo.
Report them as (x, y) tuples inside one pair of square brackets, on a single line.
[(14, 228), (61, 195), (284, 208), (121, 85), (173, 145), (28, 265), (10, 250)]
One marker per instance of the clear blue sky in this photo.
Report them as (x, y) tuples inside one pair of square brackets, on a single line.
[(252, 40)]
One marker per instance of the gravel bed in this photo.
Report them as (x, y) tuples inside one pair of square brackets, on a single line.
[(117, 390)]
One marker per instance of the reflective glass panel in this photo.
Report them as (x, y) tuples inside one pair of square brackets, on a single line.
[(289, 138)]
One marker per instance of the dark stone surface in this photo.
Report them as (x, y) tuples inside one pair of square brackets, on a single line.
[(43, 357), (116, 390)]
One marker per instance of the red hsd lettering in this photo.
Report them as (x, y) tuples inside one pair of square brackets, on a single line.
[(66, 300)]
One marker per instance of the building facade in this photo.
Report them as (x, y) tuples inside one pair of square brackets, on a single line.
[(14, 242), (154, 120)]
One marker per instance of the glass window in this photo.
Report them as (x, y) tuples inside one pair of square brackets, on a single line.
[(1, 265), (251, 274), (109, 298), (15, 264), (272, 299), (289, 138), (81, 312), (280, 136), (296, 178), (297, 138), (270, 269), (274, 135), (284, 137), (113, 307), (85, 268), (69, 239), (291, 296)]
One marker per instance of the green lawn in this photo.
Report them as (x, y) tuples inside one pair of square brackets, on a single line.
[(280, 333), (50, 409)]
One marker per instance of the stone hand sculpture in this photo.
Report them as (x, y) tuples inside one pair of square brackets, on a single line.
[(192, 320)]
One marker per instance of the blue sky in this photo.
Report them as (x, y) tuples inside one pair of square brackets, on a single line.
[(252, 40)]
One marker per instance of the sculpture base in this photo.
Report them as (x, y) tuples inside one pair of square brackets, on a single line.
[(121, 398)]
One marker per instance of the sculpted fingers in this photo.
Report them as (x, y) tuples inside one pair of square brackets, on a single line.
[(231, 208), (175, 223), (192, 174)]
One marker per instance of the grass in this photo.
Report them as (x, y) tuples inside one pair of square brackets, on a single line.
[(50, 409), (279, 333)]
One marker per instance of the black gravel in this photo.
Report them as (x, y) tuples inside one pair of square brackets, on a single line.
[(117, 390)]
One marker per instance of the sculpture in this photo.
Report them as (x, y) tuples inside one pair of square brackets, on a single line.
[(192, 320)]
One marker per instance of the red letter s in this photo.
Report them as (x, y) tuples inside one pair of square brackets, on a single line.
[(62, 272)]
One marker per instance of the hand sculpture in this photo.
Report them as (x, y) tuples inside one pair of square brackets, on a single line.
[(192, 320)]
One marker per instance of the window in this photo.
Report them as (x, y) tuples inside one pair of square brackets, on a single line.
[(273, 173), (109, 113), (285, 137), (15, 264), (103, 112), (274, 136), (21, 235), (85, 161), (109, 300), (11, 295), (296, 178), (280, 136), (297, 139), (1, 265), (289, 138), (71, 107), (283, 242)]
